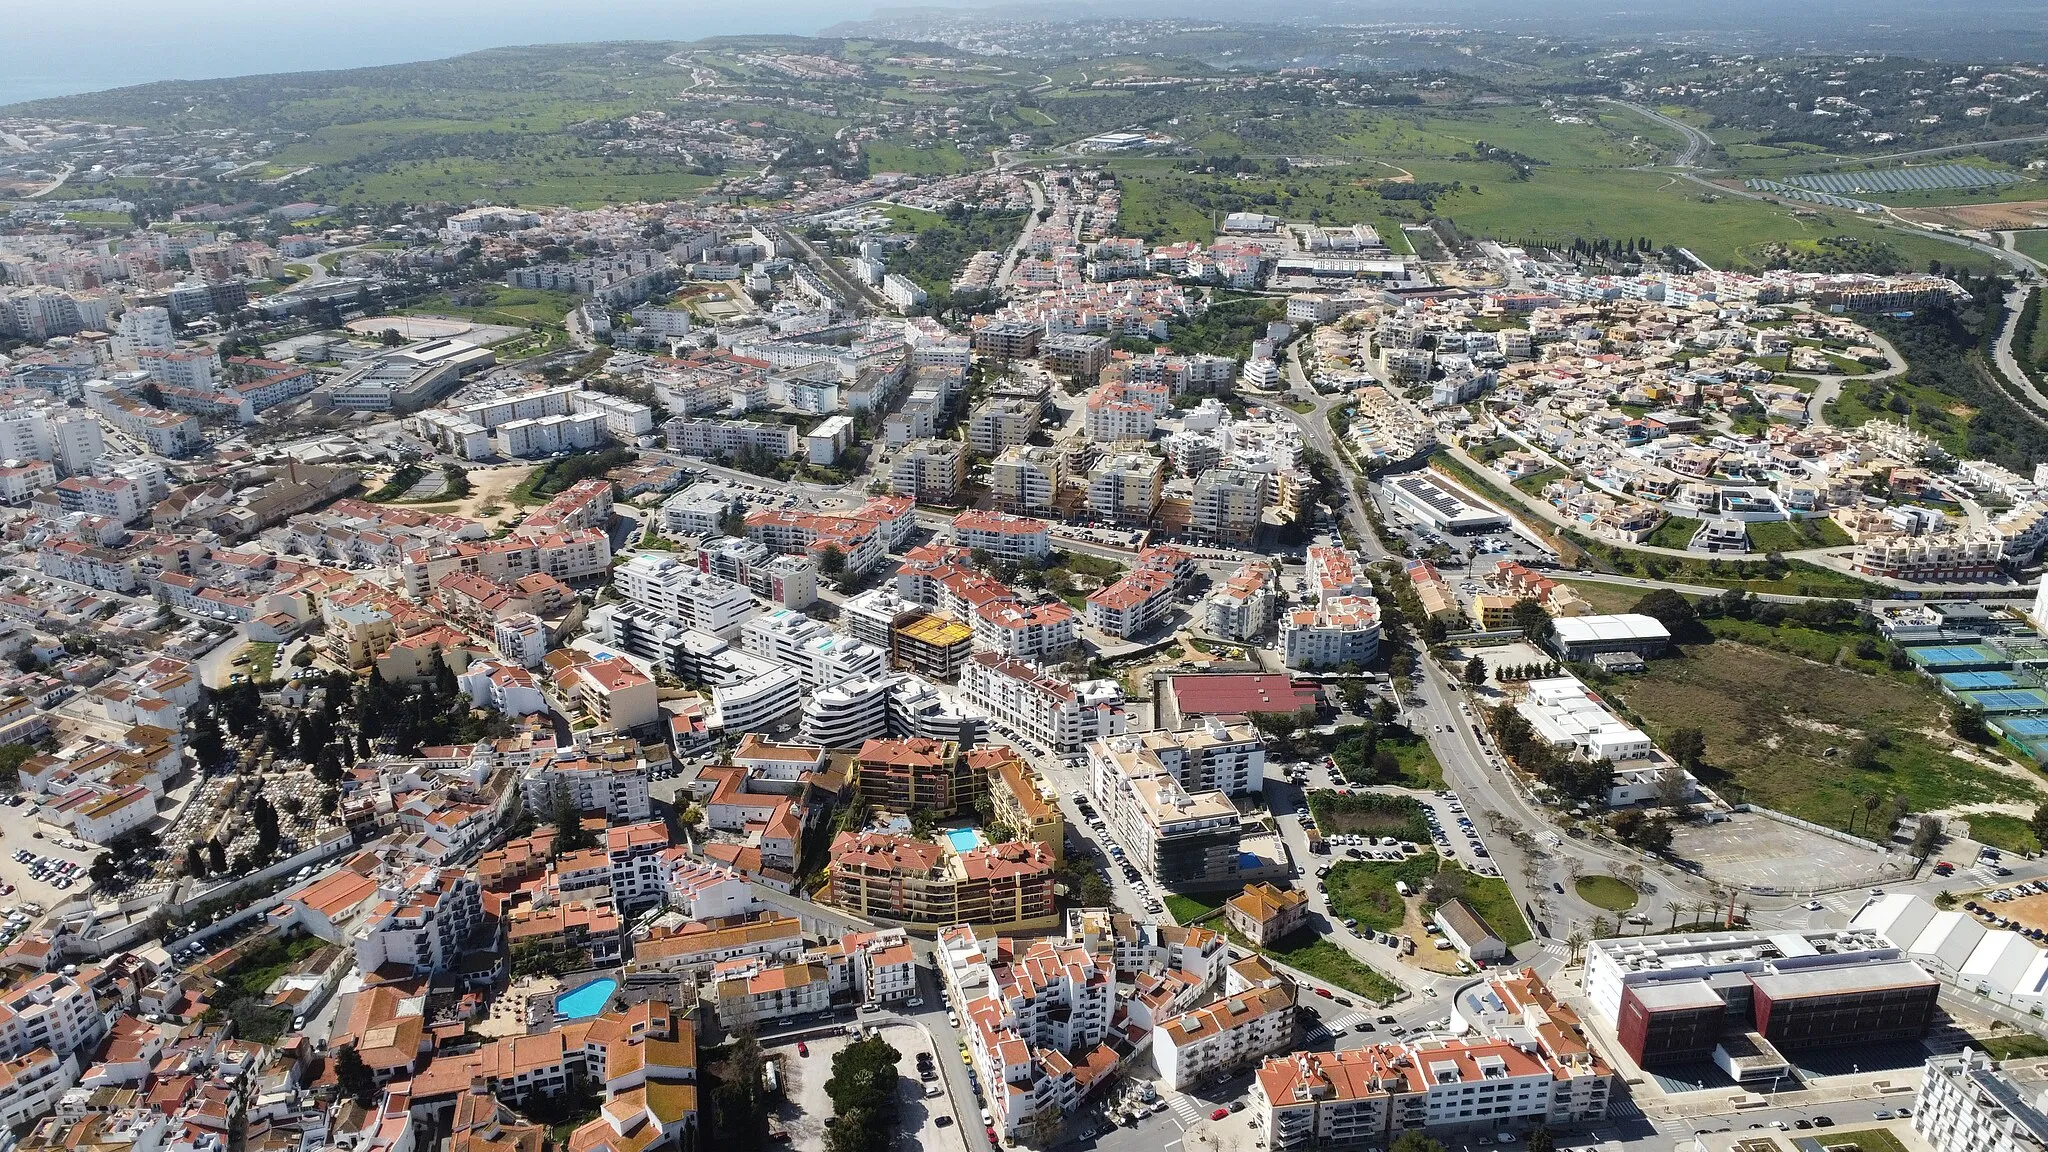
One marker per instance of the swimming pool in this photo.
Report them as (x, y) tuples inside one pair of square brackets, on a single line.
[(964, 840), (587, 999)]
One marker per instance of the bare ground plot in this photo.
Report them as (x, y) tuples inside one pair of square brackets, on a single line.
[(1991, 217), (487, 487), (1780, 729), (1755, 851), (2032, 911)]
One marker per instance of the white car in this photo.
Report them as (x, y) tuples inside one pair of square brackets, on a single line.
[(1813, 905)]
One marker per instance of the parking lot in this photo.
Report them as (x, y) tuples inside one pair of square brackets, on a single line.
[(922, 1121), (1753, 851), (19, 832)]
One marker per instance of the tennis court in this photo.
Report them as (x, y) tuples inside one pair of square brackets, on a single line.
[(1976, 681), (1958, 657), (2008, 700), (2029, 732)]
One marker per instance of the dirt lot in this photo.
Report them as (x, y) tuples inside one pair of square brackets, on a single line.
[(2031, 911), (487, 486), (2016, 214)]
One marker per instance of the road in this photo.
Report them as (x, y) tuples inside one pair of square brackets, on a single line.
[(2016, 377), (1697, 143), (1016, 252)]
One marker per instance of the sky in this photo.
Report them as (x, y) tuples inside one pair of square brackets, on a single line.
[(56, 49)]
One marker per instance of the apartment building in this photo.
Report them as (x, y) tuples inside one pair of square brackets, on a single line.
[(918, 775), (422, 921), (933, 646), (607, 687), (1244, 606), (1142, 597), (1233, 1033), (1024, 631), (1050, 712), (925, 882), (1015, 796), (49, 1011), (1967, 1103), (713, 439), (695, 600), (1371, 1095), (1036, 1020), (1183, 839), (752, 991), (1125, 487), (608, 777), (1008, 339), (1017, 539), (696, 948), (1227, 505), (998, 425), (1075, 354), (1124, 411), (1026, 479), (820, 657), (1338, 631), (929, 470)]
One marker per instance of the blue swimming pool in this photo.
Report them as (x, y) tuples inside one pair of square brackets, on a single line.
[(586, 1000), (964, 840)]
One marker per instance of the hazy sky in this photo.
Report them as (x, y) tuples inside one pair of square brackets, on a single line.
[(53, 49)]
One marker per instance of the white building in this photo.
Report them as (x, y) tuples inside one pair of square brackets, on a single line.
[(1340, 630), (1056, 715), (1567, 716), (1968, 1104), (1018, 539), (697, 600), (422, 919), (1231, 1034), (610, 777)]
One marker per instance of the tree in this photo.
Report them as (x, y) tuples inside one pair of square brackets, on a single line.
[(195, 861), (2040, 824), (1530, 617), (1279, 725), (1540, 1140), (1688, 746), (1863, 758), (1386, 766), (1969, 724), (1413, 1140), (1926, 835), (1668, 608), (831, 561), (742, 1104), (863, 1094), (353, 1076), (1475, 672), (216, 856)]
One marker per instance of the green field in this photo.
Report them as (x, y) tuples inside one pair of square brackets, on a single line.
[(2033, 242), (1606, 597), (1188, 909), (1606, 892), (2018, 1046), (1329, 962), (1864, 1140), (1419, 766), (1793, 535), (2006, 833), (500, 304), (1364, 890), (1770, 719)]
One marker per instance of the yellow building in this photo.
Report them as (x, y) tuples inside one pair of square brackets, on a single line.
[(1495, 612), (1013, 791), (931, 645)]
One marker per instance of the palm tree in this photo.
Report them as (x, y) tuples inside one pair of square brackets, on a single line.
[(1602, 927), (1871, 804), (1575, 945)]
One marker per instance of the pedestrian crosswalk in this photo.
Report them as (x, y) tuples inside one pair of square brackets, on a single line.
[(1185, 1109), (1348, 1021)]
